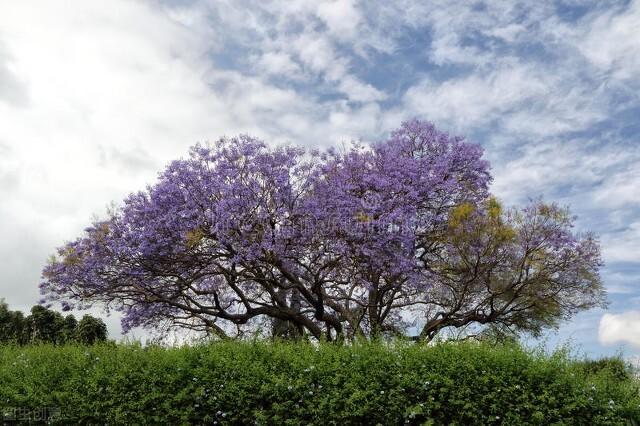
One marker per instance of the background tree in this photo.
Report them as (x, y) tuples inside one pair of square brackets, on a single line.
[(364, 242), (68, 330), (47, 326), (12, 325), (44, 325), (91, 330)]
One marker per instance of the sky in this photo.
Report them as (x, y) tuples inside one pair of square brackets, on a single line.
[(96, 97)]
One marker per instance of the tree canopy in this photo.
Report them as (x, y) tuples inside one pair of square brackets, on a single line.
[(46, 326), (372, 240)]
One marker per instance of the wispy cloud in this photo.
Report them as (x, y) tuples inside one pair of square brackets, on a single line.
[(611, 41)]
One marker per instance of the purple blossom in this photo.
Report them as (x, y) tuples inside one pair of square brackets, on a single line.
[(327, 243)]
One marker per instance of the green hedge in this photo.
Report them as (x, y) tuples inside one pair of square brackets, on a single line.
[(295, 383)]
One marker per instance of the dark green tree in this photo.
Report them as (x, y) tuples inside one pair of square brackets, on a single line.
[(91, 330), (13, 328), (67, 332), (46, 326)]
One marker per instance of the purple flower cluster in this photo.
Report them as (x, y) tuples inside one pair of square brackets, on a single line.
[(332, 244)]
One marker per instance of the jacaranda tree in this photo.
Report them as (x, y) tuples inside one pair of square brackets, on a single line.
[(370, 241)]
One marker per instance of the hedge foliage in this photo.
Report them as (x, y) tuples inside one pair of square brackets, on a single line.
[(299, 383)]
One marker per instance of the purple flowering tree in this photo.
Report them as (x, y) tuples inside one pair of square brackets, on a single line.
[(240, 237)]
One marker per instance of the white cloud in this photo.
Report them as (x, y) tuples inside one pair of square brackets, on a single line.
[(525, 67), (477, 99), (342, 18), (612, 41), (301, 41), (458, 26), (317, 53), (359, 91), (509, 32), (522, 99), (622, 188), (544, 165), (623, 245), (279, 64), (623, 282), (12, 89), (620, 328)]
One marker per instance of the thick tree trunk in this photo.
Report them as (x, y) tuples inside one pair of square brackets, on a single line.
[(284, 329)]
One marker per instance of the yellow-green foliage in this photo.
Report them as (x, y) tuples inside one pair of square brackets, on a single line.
[(297, 383), (491, 227), (52, 260), (102, 231), (71, 257), (362, 217), (193, 238), (494, 208), (460, 214)]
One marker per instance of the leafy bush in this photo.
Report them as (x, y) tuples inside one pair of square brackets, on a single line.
[(615, 367), (298, 383)]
